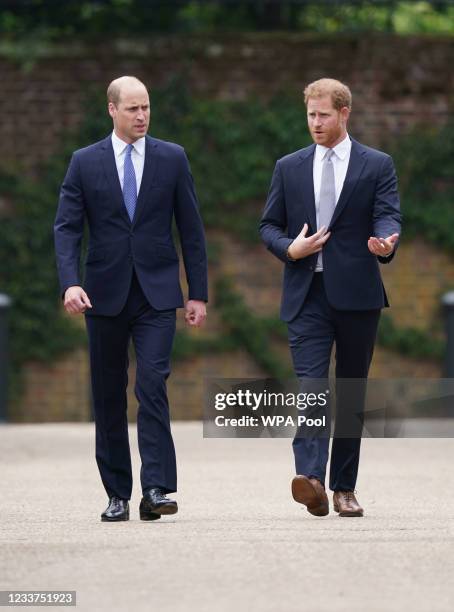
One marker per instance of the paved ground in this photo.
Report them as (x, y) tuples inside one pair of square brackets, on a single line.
[(239, 542)]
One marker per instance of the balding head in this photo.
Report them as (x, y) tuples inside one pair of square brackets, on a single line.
[(122, 85), (129, 107)]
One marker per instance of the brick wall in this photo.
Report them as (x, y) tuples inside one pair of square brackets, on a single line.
[(396, 82), (61, 391)]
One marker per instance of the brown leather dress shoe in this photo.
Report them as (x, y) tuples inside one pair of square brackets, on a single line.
[(346, 504), (311, 493)]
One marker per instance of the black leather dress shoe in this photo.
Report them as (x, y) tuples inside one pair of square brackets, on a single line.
[(117, 510), (155, 503)]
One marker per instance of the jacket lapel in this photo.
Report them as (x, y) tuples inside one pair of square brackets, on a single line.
[(149, 169), (111, 172), (306, 181), (355, 167)]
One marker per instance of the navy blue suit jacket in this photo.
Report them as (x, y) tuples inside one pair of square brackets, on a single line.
[(368, 206), (91, 190)]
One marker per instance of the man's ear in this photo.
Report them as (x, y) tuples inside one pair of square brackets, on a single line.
[(111, 108), (345, 114)]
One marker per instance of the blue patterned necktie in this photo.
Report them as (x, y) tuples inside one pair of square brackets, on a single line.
[(129, 184)]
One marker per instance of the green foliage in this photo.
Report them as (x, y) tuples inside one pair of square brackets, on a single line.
[(35, 23), (409, 341), (251, 332), (346, 17), (38, 329), (232, 147), (206, 17), (186, 345), (397, 17), (423, 18), (425, 164)]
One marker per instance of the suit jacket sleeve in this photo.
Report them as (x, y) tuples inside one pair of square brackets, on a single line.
[(192, 236), (387, 216), (273, 225), (69, 227)]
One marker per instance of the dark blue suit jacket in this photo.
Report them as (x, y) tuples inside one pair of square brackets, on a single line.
[(91, 190), (368, 206)]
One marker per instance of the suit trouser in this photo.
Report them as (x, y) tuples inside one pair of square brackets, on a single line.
[(311, 336), (152, 332)]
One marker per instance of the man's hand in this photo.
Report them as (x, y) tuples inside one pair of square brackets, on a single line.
[(196, 312), (382, 246), (302, 246), (76, 300)]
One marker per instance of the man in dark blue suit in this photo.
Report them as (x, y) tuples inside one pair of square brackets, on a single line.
[(331, 215), (129, 187)]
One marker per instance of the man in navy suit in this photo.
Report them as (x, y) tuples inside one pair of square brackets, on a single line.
[(331, 215), (129, 187)]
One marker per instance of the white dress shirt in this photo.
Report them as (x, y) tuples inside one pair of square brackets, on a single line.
[(137, 157), (340, 160)]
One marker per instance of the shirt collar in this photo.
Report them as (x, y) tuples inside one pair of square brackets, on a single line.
[(119, 145), (342, 149)]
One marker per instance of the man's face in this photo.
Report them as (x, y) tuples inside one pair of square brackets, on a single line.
[(327, 125), (131, 116)]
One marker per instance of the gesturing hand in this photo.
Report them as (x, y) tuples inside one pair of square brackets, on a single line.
[(76, 300), (196, 312), (302, 246), (382, 246)]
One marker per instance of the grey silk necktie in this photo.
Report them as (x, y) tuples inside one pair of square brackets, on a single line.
[(327, 202)]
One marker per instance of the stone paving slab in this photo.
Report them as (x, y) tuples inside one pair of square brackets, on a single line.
[(239, 542)]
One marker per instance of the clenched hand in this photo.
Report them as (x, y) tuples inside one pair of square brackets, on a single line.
[(196, 312), (76, 300)]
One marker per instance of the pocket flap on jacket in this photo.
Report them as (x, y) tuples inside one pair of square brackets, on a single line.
[(95, 255), (166, 251)]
